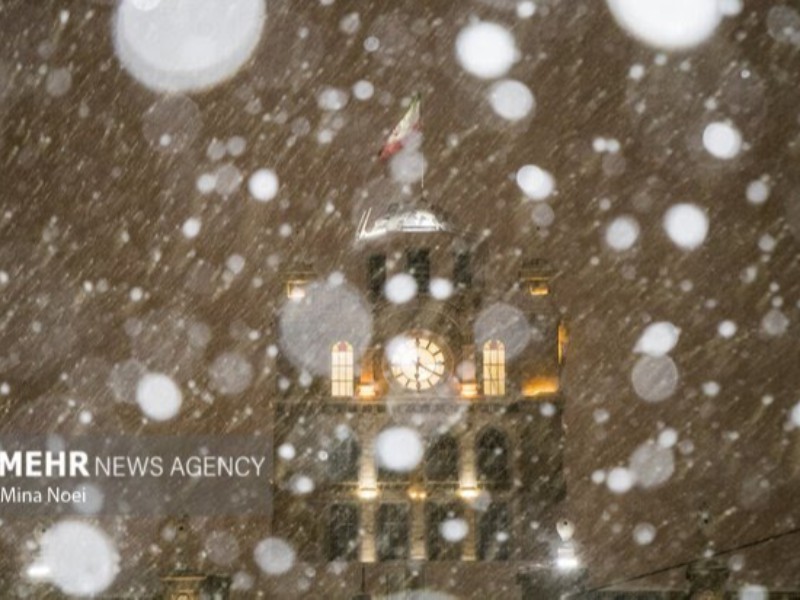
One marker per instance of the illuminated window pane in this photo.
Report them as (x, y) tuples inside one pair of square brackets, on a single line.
[(494, 368), (538, 286), (342, 375)]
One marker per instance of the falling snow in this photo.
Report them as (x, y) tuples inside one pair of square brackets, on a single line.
[(670, 24), (722, 140), (399, 449), (622, 233), (274, 556), (511, 99), (486, 50), (401, 288), (654, 378), (686, 225), (555, 327), (158, 396), (163, 48), (77, 557), (535, 182), (658, 339)]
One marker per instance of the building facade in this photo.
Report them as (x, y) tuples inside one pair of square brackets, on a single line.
[(475, 372)]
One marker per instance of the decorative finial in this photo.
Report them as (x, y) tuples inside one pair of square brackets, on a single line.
[(566, 529)]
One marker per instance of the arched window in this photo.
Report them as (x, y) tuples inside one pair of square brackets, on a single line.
[(376, 275), (494, 368), (342, 370), (393, 530), (493, 456), (418, 262), (494, 533), (343, 460), (462, 276), (343, 523), (439, 542), (302, 526), (441, 462)]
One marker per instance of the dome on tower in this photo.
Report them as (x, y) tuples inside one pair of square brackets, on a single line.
[(400, 218)]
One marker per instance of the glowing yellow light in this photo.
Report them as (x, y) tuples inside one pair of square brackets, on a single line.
[(38, 571), (537, 386), (494, 368), (366, 390), (566, 558), (563, 338), (367, 554), (469, 389), (342, 370), (296, 289), (468, 493), (417, 494), (367, 493), (538, 287)]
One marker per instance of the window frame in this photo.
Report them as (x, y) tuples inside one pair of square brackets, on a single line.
[(443, 450), (496, 519), (493, 359), (401, 525), (342, 370), (493, 468), (344, 461), (349, 543), (436, 547)]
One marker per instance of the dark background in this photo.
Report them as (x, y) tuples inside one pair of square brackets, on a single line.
[(91, 208)]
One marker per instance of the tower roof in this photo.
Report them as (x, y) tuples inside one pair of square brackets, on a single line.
[(400, 218)]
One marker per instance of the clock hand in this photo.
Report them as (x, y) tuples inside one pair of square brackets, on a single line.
[(424, 368)]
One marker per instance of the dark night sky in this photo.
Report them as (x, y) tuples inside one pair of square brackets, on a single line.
[(86, 195)]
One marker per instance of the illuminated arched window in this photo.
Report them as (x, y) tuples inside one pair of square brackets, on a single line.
[(342, 370), (494, 368)]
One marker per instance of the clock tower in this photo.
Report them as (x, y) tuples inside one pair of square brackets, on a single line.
[(469, 363)]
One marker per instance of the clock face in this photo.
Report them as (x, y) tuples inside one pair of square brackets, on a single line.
[(416, 362)]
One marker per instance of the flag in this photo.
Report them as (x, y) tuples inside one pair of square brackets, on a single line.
[(400, 135)]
